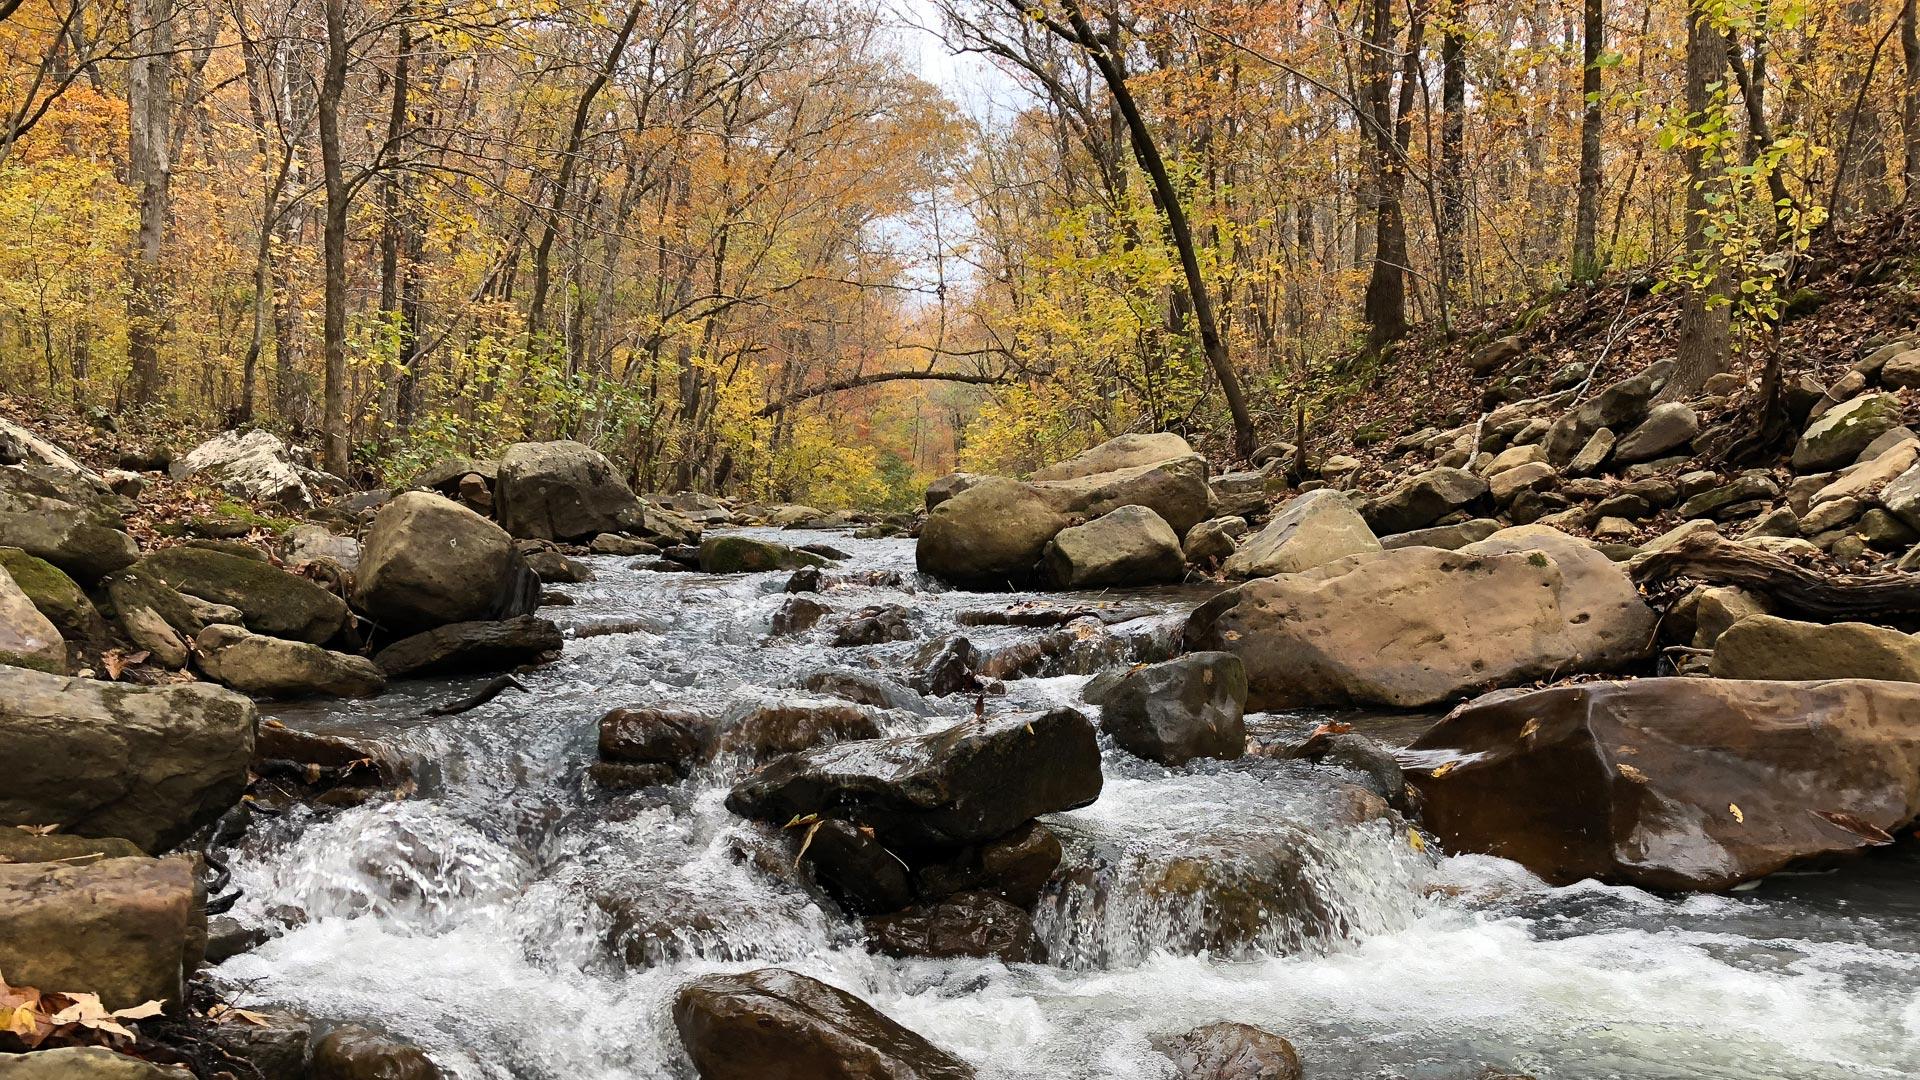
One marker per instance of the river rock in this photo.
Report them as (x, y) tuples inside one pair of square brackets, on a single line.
[(1445, 537), (127, 929), (1422, 499), (1232, 1052), (733, 554), (278, 668), (1840, 434), (950, 485), (1761, 646), (866, 688), (151, 764), (989, 534), (55, 595), (965, 924), (772, 1024), (760, 731), (429, 561), (271, 601), (1014, 867), (84, 1063), (27, 638), (1213, 540), (798, 614), (855, 869), (624, 546), (1524, 604), (1177, 710), (655, 736), (62, 518), (1128, 546), (355, 1053), (253, 465), (553, 568), (561, 491), (1673, 783), (308, 543), (974, 781), (1176, 489), (1310, 530), (1123, 452), (462, 647), (273, 1042)]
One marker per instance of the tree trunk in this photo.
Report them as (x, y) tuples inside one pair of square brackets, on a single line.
[(1453, 150), (1586, 213), (1386, 299), (1910, 101), (1701, 351), (334, 242), (395, 214), (149, 167)]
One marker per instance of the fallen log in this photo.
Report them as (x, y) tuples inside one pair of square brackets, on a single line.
[(1794, 589)]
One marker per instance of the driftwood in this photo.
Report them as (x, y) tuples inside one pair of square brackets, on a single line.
[(487, 693), (1795, 589)]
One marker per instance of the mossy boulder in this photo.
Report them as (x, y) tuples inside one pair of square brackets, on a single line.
[(56, 595), (271, 601), (745, 555), (64, 520), (1842, 432)]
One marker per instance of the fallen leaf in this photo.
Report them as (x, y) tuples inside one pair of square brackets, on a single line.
[(1734, 809), (1443, 770), (1865, 830), (1632, 773), (1531, 729), (1415, 840)]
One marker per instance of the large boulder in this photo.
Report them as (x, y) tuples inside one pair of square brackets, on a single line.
[(150, 764), (1123, 452), (734, 554), (19, 446), (1310, 530), (1668, 427), (1842, 432), (1422, 499), (1673, 783), (428, 561), (1760, 646), (278, 668), (27, 638), (64, 519), (1416, 626), (457, 648), (254, 465), (154, 616), (1176, 489), (972, 782), (562, 491), (1129, 546), (54, 595), (1177, 710), (992, 533), (127, 929), (271, 601), (772, 1024)]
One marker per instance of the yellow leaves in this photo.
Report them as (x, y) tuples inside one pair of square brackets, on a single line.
[(31, 1018), (1631, 773), (1734, 809), (1530, 729), (1416, 841), (1443, 770)]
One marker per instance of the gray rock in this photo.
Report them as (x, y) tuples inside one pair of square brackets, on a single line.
[(1421, 500), (1128, 546), (271, 601), (254, 465), (992, 533), (1176, 489), (306, 543), (275, 667), (27, 637), (429, 561), (561, 491), (63, 519), (1310, 530), (471, 646), (1175, 711), (1839, 435), (1668, 426)]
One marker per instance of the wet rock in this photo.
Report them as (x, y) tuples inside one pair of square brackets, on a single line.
[(855, 869), (807, 579), (825, 551), (631, 776), (429, 561), (65, 519), (55, 595), (561, 491), (866, 688), (673, 737), (463, 647), (254, 465), (873, 625), (744, 555), (1177, 710), (1673, 783), (764, 731), (1128, 546), (105, 759), (127, 929), (271, 601), (972, 782), (355, 1053), (667, 527), (797, 615), (84, 1063), (771, 1023), (553, 568), (1310, 530), (1526, 603), (1232, 1052), (1175, 489), (1213, 541), (1760, 646), (989, 534), (1014, 867), (946, 666), (1374, 762), (965, 924), (27, 638), (276, 1048), (1445, 537), (278, 668), (1422, 499), (1841, 433)]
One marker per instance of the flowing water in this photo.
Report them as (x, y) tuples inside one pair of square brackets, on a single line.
[(519, 922)]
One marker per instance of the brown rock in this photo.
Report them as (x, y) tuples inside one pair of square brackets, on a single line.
[(772, 1024)]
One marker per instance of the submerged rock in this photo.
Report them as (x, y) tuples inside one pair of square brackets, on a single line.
[(127, 929), (971, 782), (1232, 1052), (744, 555), (771, 1024), (1673, 783), (965, 924), (1176, 710), (355, 1053), (764, 731), (471, 646), (151, 765)]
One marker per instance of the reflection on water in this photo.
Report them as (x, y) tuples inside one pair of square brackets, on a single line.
[(519, 923)]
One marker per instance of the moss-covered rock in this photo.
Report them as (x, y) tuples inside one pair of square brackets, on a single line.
[(745, 555), (56, 595), (271, 601), (1843, 431)]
